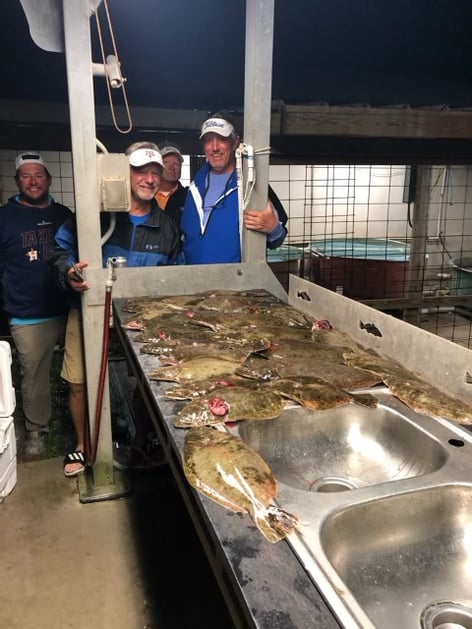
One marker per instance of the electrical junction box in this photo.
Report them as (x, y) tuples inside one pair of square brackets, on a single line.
[(7, 392), (113, 182)]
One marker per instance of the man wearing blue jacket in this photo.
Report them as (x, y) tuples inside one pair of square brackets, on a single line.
[(210, 219), (34, 305), (145, 236)]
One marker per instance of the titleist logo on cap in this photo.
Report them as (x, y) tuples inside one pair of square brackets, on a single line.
[(217, 125)]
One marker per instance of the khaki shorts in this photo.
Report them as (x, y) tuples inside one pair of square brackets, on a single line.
[(73, 369)]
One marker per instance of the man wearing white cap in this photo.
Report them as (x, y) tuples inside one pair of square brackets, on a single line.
[(34, 305), (171, 194), (210, 220), (145, 236)]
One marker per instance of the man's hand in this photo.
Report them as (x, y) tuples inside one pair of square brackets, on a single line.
[(261, 220), (75, 277)]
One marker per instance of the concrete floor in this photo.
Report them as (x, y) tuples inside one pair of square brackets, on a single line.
[(116, 563)]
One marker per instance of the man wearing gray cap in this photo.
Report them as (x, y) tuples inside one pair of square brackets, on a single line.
[(171, 194), (35, 307), (210, 221)]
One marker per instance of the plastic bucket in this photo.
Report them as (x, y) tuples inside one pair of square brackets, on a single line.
[(461, 276)]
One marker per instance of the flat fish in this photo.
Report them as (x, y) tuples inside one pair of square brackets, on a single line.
[(170, 336), (417, 394), (230, 404), (256, 319), (138, 311), (165, 328), (229, 302), (322, 364), (199, 388), (175, 353), (190, 352), (311, 393), (332, 338), (232, 474), (196, 369)]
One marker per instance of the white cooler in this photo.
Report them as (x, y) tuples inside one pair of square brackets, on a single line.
[(7, 427)]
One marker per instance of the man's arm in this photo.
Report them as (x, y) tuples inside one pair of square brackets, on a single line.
[(63, 257)]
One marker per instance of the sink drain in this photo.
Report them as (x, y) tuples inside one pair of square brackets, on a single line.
[(331, 483), (446, 615)]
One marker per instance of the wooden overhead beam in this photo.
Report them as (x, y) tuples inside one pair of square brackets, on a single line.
[(41, 112), (286, 120), (299, 134), (371, 122)]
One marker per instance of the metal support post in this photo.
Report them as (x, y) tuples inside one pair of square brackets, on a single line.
[(101, 481)]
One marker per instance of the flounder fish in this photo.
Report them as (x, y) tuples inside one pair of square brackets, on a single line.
[(232, 474), (198, 388), (412, 390), (176, 353), (311, 393), (137, 312), (229, 301), (257, 318), (317, 394), (300, 362), (195, 369), (230, 404)]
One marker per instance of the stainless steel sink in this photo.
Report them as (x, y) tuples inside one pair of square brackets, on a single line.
[(384, 500), (401, 554), (343, 448)]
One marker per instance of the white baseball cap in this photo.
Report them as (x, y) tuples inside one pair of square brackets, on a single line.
[(29, 157), (217, 125), (171, 150), (141, 157)]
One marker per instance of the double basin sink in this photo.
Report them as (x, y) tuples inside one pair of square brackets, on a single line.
[(384, 499)]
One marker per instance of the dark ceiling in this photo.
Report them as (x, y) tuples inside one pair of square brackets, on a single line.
[(190, 54)]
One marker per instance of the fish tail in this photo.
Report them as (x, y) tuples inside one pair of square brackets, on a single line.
[(275, 524)]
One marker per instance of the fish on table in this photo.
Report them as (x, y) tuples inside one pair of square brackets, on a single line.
[(137, 312), (234, 301), (170, 332), (311, 392), (298, 362), (231, 404), (198, 388), (232, 474), (173, 353), (184, 353), (194, 369), (412, 390)]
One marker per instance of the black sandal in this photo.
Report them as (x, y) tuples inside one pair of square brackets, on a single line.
[(74, 457)]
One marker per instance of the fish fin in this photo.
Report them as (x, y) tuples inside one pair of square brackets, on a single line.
[(274, 523)]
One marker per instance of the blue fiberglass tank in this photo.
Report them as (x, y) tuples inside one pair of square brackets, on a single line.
[(361, 268)]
